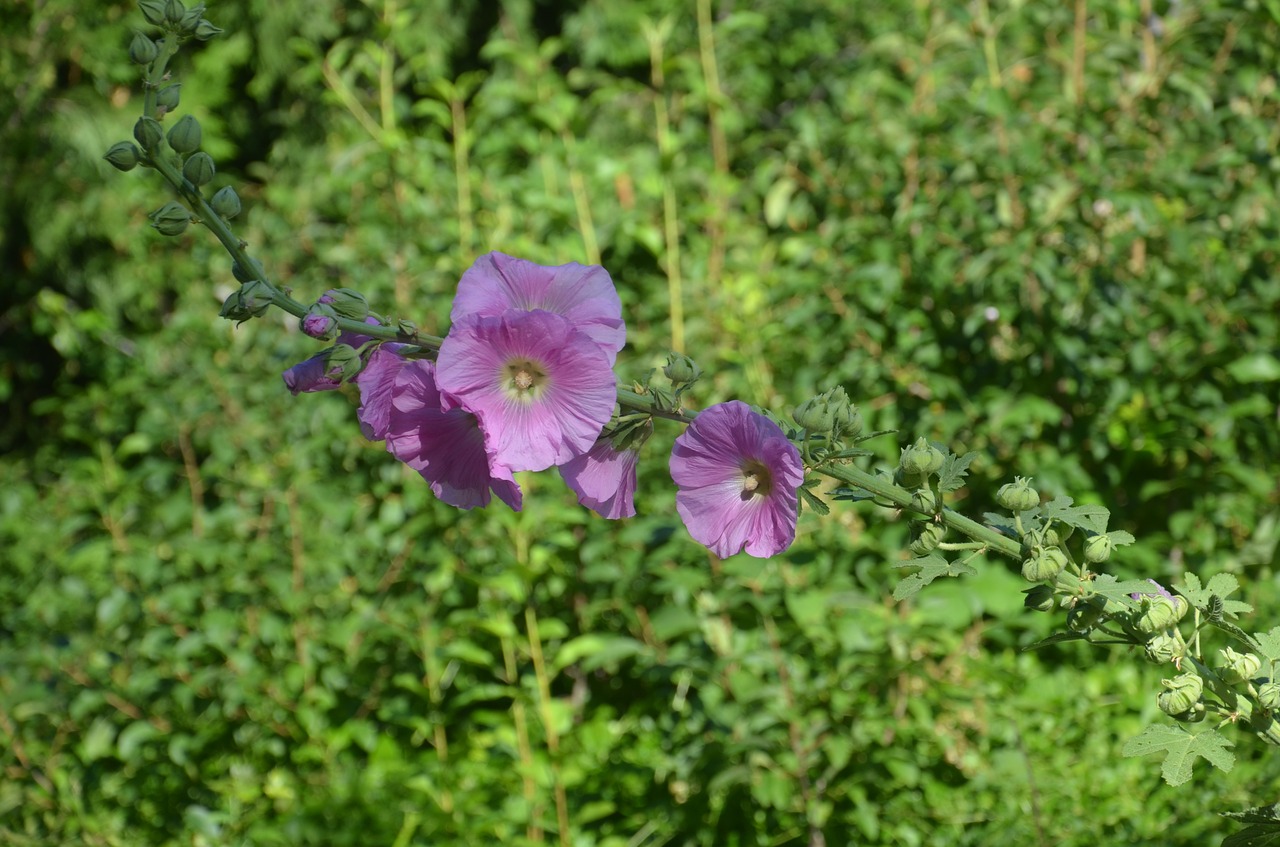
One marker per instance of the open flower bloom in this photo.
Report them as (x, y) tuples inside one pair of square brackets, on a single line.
[(446, 446), (541, 390), (737, 476), (377, 381), (582, 293), (604, 478)]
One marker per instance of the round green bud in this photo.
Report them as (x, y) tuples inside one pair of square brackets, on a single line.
[(1269, 696), (142, 50), (1163, 648), (171, 219), (1018, 496), (921, 458), (191, 19), (1180, 693), (153, 11), (848, 420), (1157, 614), (205, 30), (681, 370), (226, 202), (924, 500), (184, 136), (1039, 598), (1235, 668), (123, 155), (815, 414), (148, 132), (927, 536), (199, 169), (1043, 564), (1097, 548), (174, 12), (1084, 617), (346, 302), (168, 97)]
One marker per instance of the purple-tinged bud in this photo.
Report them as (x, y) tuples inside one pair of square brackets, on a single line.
[(1039, 598), (1235, 668), (142, 50), (199, 169), (921, 458), (168, 97), (184, 136), (1043, 564), (123, 155), (153, 11), (1180, 694), (226, 203), (344, 361), (171, 219), (148, 133), (1097, 549), (319, 325), (927, 536), (346, 303), (205, 30), (1018, 496)]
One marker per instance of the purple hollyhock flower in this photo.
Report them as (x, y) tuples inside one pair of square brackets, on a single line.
[(541, 390), (582, 293), (737, 476), (376, 382), (446, 446), (604, 478)]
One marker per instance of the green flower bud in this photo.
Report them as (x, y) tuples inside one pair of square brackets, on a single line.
[(123, 155), (153, 11), (1018, 496), (167, 98), (171, 219), (142, 50), (205, 30), (1163, 649), (1158, 613), (184, 136), (1180, 693), (1039, 598), (924, 500), (921, 458), (346, 302), (407, 327), (1235, 668), (927, 536), (848, 420), (1084, 617), (174, 12), (191, 19), (1097, 548), (226, 202), (251, 300), (681, 370), (199, 169), (815, 414), (1269, 696), (1043, 564), (249, 274), (148, 133)]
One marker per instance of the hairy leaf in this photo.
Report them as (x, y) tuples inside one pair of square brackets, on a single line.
[(954, 470), (930, 567), (1181, 749)]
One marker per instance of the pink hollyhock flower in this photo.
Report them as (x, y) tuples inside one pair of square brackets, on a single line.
[(376, 382), (541, 390), (737, 476), (446, 446), (582, 293), (604, 478)]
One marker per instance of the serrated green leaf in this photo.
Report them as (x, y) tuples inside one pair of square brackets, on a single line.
[(1181, 749), (1092, 518), (1268, 643), (930, 567), (1258, 835), (1220, 585), (954, 470), (1120, 538), (1107, 586), (814, 501)]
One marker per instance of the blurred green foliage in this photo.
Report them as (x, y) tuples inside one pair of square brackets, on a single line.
[(1043, 232)]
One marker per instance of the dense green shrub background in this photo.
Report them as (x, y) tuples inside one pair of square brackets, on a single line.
[(1045, 232)]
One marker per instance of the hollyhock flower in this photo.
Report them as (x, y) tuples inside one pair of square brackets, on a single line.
[(541, 390), (376, 382), (446, 446), (604, 477), (737, 476), (582, 293)]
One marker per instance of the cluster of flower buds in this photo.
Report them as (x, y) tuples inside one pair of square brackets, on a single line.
[(830, 412), (175, 18)]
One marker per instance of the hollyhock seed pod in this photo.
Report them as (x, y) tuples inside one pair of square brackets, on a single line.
[(1269, 696), (921, 458), (148, 133), (1018, 496), (123, 155), (1180, 693), (142, 50), (1043, 564), (1039, 598), (199, 169), (184, 136), (928, 536), (1097, 549), (168, 97), (226, 203), (1235, 668)]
